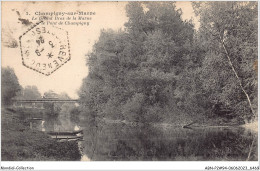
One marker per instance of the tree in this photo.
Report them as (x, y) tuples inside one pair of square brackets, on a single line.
[(31, 92), (50, 94), (229, 33), (132, 72), (9, 85)]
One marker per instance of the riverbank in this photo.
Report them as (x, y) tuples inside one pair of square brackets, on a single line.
[(184, 121), (20, 143)]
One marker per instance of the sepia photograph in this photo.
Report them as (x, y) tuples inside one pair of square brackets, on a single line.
[(129, 81)]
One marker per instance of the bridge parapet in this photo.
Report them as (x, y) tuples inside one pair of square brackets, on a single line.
[(33, 102), (47, 101)]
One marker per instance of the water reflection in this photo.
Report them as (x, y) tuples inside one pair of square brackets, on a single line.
[(60, 119), (122, 142), (58, 124), (119, 141), (42, 126)]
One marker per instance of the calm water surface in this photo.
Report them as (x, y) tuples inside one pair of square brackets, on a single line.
[(110, 142), (121, 142)]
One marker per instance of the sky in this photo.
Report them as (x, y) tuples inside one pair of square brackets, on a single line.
[(68, 78)]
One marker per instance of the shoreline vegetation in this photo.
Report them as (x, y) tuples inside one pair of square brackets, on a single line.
[(20, 143), (253, 126)]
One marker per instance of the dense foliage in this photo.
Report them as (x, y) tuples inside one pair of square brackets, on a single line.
[(133, 74), (20, 143), (161, 70), (9, 85), (228, 34)]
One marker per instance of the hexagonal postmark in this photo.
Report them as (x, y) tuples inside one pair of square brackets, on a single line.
[(44, 48)]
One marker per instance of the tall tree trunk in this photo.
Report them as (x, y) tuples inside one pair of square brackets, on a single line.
[(235, 72)]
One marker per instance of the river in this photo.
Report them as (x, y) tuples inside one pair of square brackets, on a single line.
[(121, 142)]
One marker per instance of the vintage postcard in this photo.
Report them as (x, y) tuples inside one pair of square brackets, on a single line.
[(130, 81)]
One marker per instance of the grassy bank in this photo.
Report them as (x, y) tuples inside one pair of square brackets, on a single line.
[(20, 143)]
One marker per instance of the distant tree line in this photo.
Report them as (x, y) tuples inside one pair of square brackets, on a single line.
[(160, 69)]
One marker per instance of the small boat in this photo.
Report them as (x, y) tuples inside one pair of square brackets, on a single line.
[(59, 137), (65, 132), (65, 140)]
